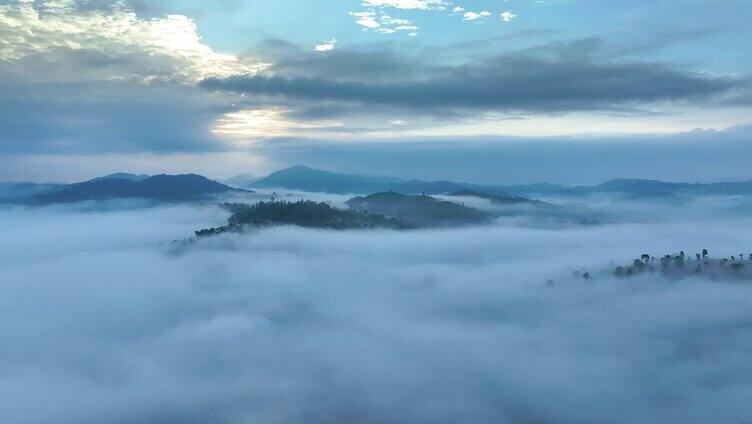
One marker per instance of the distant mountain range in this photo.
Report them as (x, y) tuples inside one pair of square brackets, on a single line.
[(652, 187), (166, 188), (194, 187), (314, 180)]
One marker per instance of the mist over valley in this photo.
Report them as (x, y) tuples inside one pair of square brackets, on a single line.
[(394, 307)]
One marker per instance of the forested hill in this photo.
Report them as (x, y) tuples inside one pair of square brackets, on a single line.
[(315, 180), (497, 199), (419, 210), (304, 213)]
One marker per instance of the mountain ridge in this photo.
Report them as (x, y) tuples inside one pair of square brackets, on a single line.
[(305, 178), (162, 187)]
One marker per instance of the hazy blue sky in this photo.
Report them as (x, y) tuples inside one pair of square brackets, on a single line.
[(426, 88)]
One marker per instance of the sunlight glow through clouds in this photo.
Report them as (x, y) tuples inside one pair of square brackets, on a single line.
[(269, 123), (263, 123)]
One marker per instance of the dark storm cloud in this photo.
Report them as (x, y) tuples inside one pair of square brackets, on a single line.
[(510, 82)]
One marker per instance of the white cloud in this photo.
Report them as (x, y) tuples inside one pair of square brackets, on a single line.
[(458, 9), (92, 79), (472, 16), (166, 47), (365, 19), (507, 16), (407, 4), (388, 20), (326, 46), (382, 23)]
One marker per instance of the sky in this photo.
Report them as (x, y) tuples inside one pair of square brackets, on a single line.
[(502, 91)]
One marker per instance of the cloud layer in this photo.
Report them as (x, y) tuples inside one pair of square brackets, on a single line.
[(106, 325), (98, 77), (503, 83), (83, 79), (115, 38)]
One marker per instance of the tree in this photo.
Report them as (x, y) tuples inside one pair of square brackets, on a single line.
[(639, 265)]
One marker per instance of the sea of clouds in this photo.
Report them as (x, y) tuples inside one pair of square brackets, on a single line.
[(105, 320)]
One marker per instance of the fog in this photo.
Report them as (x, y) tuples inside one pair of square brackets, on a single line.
[(106, 320)]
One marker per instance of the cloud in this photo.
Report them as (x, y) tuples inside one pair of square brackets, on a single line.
[(472, 16), (105, 325), (382, 23), (508, 16), (168, 46), (326, 46), (79, 77), (439, 93), (365, 19), (106, 117), (407, 4), (85, 77), (370, 62), (511, 82)]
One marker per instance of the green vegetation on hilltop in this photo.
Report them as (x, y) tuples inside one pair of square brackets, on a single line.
[(419, 210), (497, 199), (303, 213), (679, 266)]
